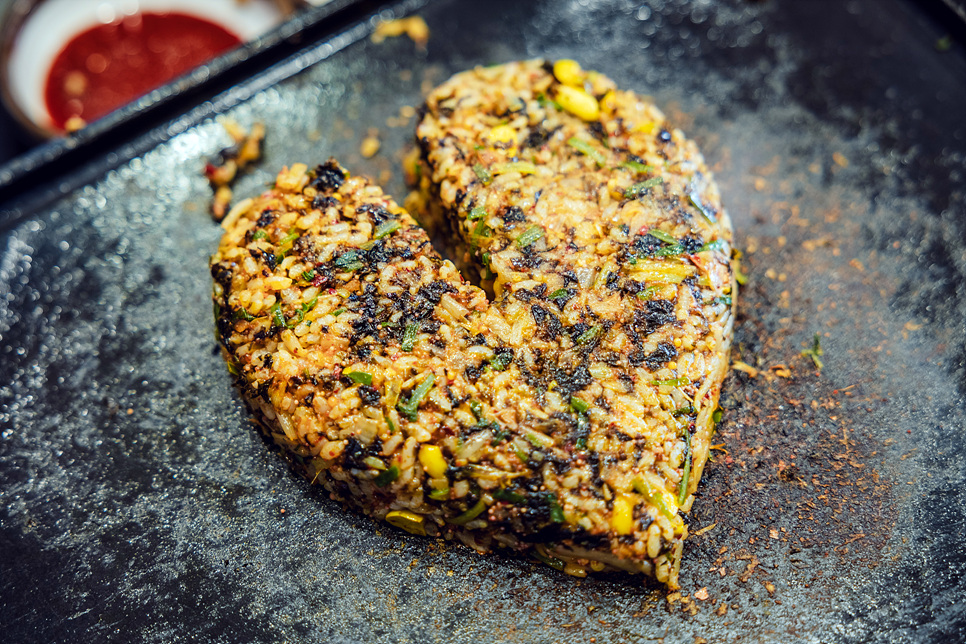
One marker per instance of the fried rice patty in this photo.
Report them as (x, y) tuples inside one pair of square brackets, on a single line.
[(568, 414)]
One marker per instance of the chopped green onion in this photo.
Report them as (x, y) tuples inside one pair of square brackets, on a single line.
[(289, 238), (716, 416), (559, 293), (670, 251), (476, 213), (654, 496), (638, 188), (723, 299), (553, 562), (308, 275), (523, 167), (388, 476), (439, 495), (686, 475), (648, 292), (683, 411), (243, 314), (390, 424), (385, 228), (637, 167), (586, 148), (507, 495), (361, 377), (259, 234), (589, 335), (409, 407), (673, 382), (581, 443), (696, 200), (523, 456), (470, 514), (409, 337), (543, 102), (349, 261), (336, 313), (484, 175), (530, 235), (481, 230), (579, 405), (663, 236)]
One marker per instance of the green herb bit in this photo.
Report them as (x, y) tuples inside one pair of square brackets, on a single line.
[(523, 456), (289, 238), (530, 235), (409, 407), (439, 495), (556, 512), (349, 261), (508, 496), (386, 228), (723, 299), (667, 238), (559, 293), (674, 382), (499, 435), (241, 313), (740, 277), (590, 335), (306, 307), (391, 425), (484, 175), (696, 201), (476, 213), (716, 416), (387, 476), (579, 405), (686, 474), (278, 318), (336, 313), (470, 514), (361, 377), (409, 337), (259, 234), (648, 292), (477, 408), (640, 168), (581, 443), (639, 188), (815, 352), (308, 275), (587, 149)]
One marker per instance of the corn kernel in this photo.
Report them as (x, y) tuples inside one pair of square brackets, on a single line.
[(568, 72), (647, 127), (578, 102), (408, 521), (609, 102), (622, 519), (431, 458), (502, 134)]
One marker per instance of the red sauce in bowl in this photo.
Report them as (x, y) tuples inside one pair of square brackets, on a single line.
[(107, 66)]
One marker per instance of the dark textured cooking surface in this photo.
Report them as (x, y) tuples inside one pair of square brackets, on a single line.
[(137, 505)]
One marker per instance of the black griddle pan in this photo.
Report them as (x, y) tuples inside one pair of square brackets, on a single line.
[(137, 503)]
